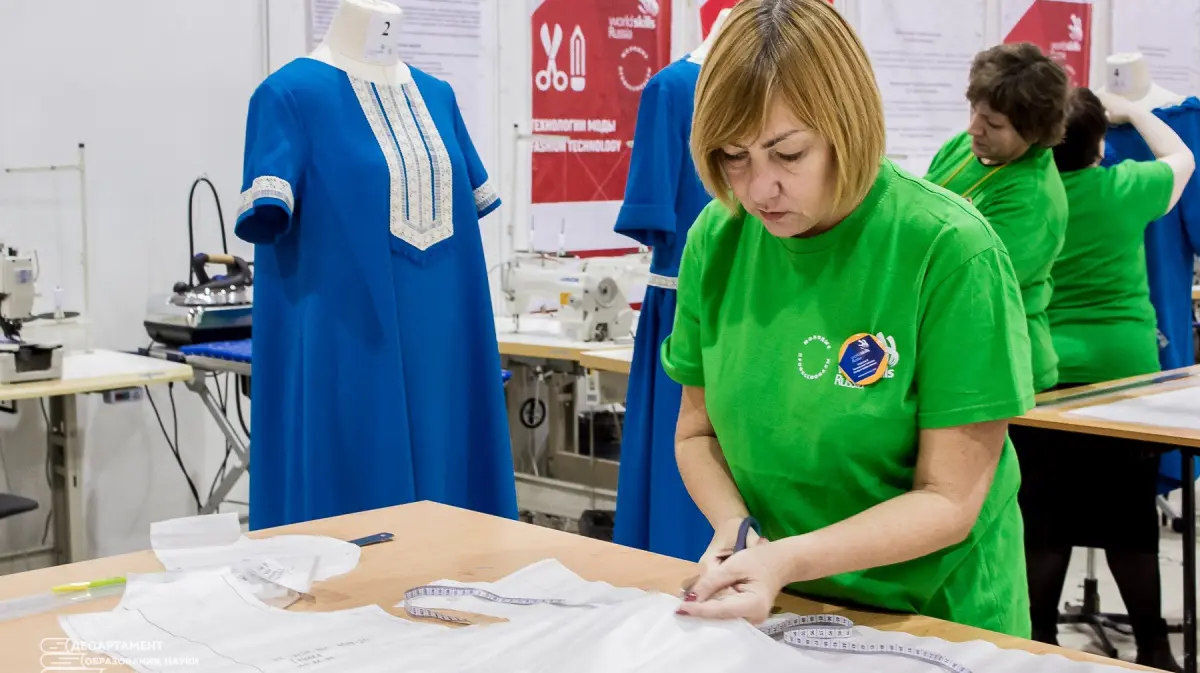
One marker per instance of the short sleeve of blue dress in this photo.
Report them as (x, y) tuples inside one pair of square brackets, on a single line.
[(663, 196), (272, 168), (486, 197), (376, 372)]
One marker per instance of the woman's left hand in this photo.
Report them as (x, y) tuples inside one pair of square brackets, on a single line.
[(744, 586)]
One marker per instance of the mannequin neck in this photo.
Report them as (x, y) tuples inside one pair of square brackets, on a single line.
[(699, 53), (353, 45), (1129, 78)]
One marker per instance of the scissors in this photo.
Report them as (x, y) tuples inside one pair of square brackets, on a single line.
[(551, 76), (748, 524)]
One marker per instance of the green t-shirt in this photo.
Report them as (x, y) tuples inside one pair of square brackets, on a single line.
[(760, 324), (1025, 203), (1101, 318)]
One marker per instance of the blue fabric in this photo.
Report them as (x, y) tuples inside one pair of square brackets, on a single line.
[(1171, 243), (375, 360), (663, 196), (236, 351), (663, 193)]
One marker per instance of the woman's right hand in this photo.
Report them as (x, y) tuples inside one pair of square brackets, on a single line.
[(723, 541)]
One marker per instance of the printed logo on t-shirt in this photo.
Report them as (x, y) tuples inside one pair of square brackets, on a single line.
[(814, 357), (865, 359)]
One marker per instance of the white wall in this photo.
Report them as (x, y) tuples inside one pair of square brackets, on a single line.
[(157, 90)]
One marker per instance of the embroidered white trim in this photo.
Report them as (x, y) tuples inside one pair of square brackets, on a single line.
[(420, 174), (485, 196), (267, 187), (665, 282)]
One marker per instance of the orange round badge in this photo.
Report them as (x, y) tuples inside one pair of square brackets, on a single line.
[(862, 359)]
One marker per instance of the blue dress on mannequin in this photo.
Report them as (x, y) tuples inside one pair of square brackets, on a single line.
[(1172, 243), (663, 196), (375, 358)]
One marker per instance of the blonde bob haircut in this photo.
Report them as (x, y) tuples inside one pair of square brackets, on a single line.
[(804, 53)]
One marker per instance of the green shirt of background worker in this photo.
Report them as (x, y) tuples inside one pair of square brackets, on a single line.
[(851, 343), (1101, 318), (1004, 166), (1103, 326)]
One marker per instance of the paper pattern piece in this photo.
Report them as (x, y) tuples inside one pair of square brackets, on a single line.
[(922, 52), (1166, 34), (1173, 409), (215, 541), (210, 622)]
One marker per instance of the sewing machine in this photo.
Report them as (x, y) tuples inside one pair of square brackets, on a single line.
[(588, 302), (21, 361)]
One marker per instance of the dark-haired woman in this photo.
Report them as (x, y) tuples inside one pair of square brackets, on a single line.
[(1103, 328), (1003, 165)]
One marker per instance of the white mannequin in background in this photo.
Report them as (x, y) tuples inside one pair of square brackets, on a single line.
[(1129, 77), (700, 52), (346, 43)]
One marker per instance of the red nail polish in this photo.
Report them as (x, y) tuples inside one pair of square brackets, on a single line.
[(681, 612), (690, 597)]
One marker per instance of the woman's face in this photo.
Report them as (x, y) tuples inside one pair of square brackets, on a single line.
[(993, 137), (784, 177)]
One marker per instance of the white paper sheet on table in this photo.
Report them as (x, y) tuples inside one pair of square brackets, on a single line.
[(215, 541), (1172, 409), (209, 622)]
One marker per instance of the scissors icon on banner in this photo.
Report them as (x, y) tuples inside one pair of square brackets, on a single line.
[(551, 76)]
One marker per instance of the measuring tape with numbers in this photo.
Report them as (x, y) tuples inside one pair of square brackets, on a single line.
[(832, 633), (431, 590), (826, 633)]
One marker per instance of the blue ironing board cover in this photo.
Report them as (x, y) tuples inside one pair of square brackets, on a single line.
[(236, 351), (239, 351)]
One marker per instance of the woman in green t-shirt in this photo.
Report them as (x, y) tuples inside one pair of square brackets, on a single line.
[(1003, 165), (851, 342), (1103, 327)]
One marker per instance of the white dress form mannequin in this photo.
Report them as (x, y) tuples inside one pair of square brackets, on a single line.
[(345, 43), (1129, 77), (700, 52)]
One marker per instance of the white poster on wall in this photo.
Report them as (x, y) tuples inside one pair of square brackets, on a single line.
[(921, 51), (442, 38), (1165, 33)]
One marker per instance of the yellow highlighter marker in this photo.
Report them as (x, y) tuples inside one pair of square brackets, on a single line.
[(84, 586)]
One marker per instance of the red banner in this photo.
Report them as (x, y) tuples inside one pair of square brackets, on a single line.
[(590, 63), (1063, 31)]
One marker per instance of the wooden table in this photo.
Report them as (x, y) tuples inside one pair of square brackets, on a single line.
[(541, 337), (1051, 413), (616, 360), (90, 371), (436, 542)]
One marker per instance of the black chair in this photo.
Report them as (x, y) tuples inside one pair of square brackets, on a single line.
[(12, 505)]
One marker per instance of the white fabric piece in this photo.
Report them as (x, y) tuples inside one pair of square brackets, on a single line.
[(211, 622), (1173, 409), (215, 541), (192, 532)]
